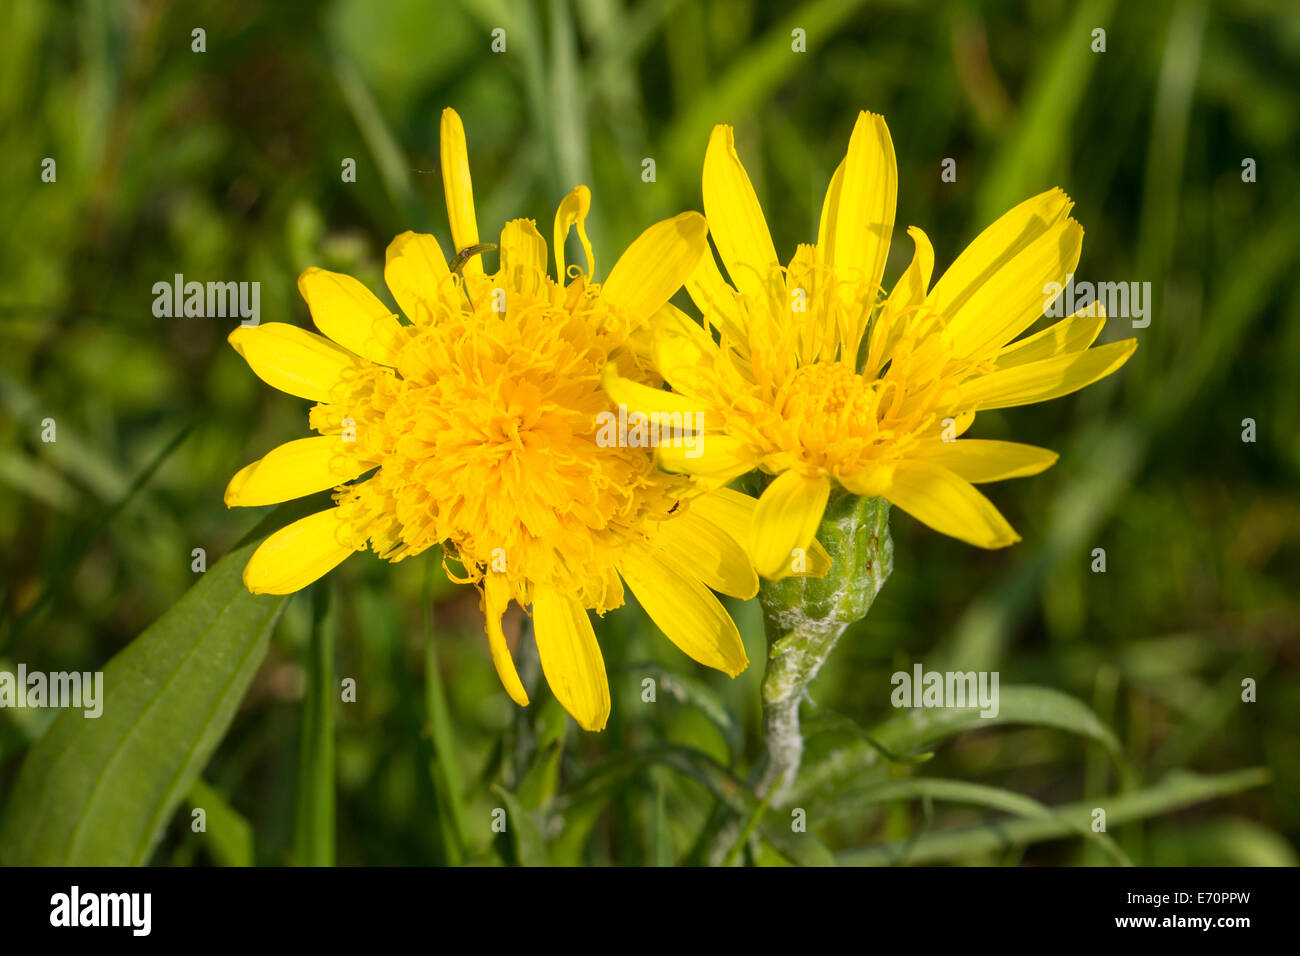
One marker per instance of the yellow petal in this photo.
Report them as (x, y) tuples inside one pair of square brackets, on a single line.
[(351, 315), (950, 505), (573, 212), (871, 481), (571, 658), (719, 458), (818, 562), (294, 360), (686, 611), (910, 290), (656, 264), (716, 300), (1012, 298), (415, 271), (458, 189), (862, 220), (1044, 380), (733, 511), (977, 460), (296, 468), (643, 398), (612, 592), (908, 293), (997, 245), (951, 427), (683, 351), (735, 217), (297, 554), (496, 597), (713, 555), (1073, 334), (523, 256), (786, 519), (826, 227)]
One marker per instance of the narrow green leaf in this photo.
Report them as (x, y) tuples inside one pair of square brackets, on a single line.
[(915, 728), (69, 556), (753, 77), (75, 455), (1039, 706), (755, 818), (1025, 158), (566, 113), (227, 833), (524, 837), (1220, 841), (1173, 793), (314, 829), (663, 840), (444, 767), (692, 693), (394, 168), (30, 476), (801, 848), (538, 785), (826, 722), (98, 792), (582, 804), (976, 794)]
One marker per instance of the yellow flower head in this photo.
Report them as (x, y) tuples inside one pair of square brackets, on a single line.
[(819, 378), (475, 426)]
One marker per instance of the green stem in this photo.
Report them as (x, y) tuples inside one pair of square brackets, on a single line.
[(804, 618)]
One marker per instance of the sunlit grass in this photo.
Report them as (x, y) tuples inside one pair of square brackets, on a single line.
[(226, 165)]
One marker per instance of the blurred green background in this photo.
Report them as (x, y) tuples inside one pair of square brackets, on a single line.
[(225, 165)]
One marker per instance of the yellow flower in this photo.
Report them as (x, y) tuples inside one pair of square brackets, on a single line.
[(475, 426), (820, 379)]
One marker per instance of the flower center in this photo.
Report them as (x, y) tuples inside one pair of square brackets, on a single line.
[(825, 390), (486, 439), (826, 406)]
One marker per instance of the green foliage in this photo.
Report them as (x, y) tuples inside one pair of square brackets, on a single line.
[(227, 833), (1120, 690), (98, 791), (314, 833)]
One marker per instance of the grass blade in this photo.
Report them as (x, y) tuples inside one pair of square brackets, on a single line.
[(912, 729), (1173, 793), (314, 831), (444, 768), (79, 544), (525, 838), (981, 795), (228, 835)]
